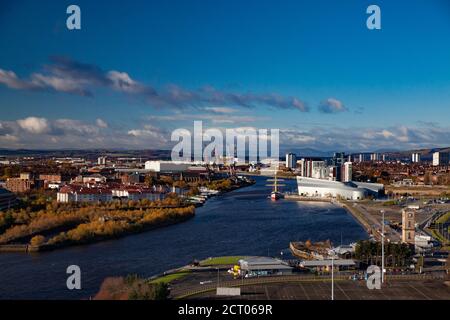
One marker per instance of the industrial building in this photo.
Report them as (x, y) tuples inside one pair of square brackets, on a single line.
[(167, 166), (263, 266), (325, 265)]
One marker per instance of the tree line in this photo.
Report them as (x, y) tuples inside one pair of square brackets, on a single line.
[(396, 254)]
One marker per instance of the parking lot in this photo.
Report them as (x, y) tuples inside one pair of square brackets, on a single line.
[(344, 290)]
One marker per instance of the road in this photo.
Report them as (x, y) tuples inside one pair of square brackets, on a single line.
[(390, 233)]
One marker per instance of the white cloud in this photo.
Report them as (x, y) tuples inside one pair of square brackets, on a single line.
[(121, 81), (101, 123), (332, 105), (34, 125), (10, 79), (70, 126), (40, 133)]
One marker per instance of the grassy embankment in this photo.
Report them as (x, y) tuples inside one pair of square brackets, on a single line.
[(170, 277), (216, 261)]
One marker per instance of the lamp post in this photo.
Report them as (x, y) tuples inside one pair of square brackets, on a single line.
[(218, 277), (332, 253), (332, 277), (382, 247)]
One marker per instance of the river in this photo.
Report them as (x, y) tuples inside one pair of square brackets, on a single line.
[(242, 222)]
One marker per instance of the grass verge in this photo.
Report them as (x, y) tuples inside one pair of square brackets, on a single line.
[(215, 261)]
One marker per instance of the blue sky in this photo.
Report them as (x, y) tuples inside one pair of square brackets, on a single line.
[(138, 70)]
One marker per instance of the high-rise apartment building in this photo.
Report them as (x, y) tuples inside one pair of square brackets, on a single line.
[(440, 158), (291, 160), (347, 173)]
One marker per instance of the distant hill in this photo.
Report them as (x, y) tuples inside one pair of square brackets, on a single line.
[(87, 154), (306, 152), (426, 154)]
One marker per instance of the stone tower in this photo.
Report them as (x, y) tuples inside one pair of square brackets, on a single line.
[(408, 229)]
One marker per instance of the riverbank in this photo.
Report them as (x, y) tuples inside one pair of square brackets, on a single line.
[(105, 224), (97, 231), (358, 216)]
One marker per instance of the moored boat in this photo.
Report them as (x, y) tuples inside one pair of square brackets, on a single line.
[(311, 250)]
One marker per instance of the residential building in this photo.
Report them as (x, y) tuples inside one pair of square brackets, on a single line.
[(26, 176), (440, 158), (138, 193), (312, 167), (101, 161), (375, 157), (19, 185), (415, 157), (105, 193), (347, 172), (48, 178), (338, 159), (131, 178), (363, 157), (80, 193), (7, 199), (291, 161)]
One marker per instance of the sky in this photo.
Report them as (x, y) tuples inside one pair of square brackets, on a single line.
[(137, 70)]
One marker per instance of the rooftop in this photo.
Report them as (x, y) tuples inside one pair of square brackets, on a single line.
[(262, 263)]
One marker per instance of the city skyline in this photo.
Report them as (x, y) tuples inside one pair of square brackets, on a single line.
[(133, 74)]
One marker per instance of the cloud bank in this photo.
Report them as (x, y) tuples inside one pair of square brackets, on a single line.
[(69, 76), (42, 133)]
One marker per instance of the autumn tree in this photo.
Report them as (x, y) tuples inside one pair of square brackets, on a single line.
[(37, 240)]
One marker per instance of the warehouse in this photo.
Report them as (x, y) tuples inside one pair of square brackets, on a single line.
[(263, 266)]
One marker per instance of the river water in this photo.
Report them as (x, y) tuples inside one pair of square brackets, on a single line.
[(242, 222)]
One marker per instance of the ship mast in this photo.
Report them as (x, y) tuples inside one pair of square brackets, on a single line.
[(275, 184)]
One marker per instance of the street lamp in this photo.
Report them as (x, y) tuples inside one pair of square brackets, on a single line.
[(332, 277), (332, 274), (382, 247)]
